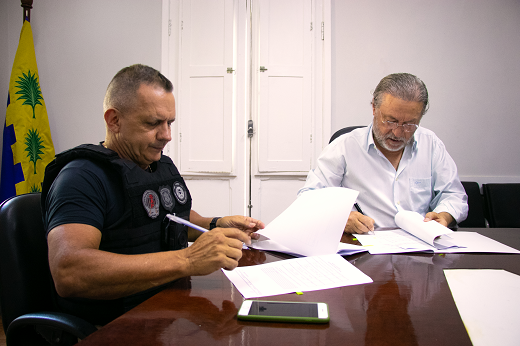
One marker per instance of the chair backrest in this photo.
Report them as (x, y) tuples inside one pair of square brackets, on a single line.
[(502, 204), (25, 280), (476, 206), (343, 131)]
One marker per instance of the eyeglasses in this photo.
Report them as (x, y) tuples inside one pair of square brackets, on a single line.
[(394, 124)]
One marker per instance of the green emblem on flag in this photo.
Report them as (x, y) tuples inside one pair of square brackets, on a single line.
[(34, 145), (30, 90), (34, 188)]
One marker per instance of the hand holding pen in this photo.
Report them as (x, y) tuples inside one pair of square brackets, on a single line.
[(359, 223)]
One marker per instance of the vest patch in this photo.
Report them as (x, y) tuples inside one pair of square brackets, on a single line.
[(180, 192), (151, 203), (166, 198)]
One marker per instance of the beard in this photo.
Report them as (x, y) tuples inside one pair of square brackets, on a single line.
[(381, 139)]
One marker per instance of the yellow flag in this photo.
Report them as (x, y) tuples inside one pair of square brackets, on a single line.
[(26, 120)]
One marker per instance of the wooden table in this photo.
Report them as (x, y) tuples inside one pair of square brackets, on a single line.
[(409, 303)]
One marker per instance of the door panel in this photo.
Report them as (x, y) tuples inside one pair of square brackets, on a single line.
[(283, 126), (211, 197), (207, 117), (206, 89), (274, 195), (284, 73)]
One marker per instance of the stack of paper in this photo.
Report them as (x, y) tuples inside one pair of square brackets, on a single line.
[(312, 225), (415, 235)]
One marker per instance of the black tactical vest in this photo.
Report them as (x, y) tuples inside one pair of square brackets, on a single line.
[(144, 227)]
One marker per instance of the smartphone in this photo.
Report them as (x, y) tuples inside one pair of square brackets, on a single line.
[(273, 311)]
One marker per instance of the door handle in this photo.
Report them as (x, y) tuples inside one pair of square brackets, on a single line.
[(262, 69)]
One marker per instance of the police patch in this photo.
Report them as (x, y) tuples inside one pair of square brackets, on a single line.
[(151, 203), (166, 198), (180, 192)]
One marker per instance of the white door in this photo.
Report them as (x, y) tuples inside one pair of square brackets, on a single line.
[(206, 147), (206, 89), (282, 149), (235, 61)]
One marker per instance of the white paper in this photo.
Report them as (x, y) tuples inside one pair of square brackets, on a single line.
[(392, 241), (489, 304), (413, 223), (399, 241), (295, 275), (345, 249), (312, 225)]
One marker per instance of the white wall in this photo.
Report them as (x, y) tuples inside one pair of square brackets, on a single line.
[(80, 45), (468, 54), (466, 51)]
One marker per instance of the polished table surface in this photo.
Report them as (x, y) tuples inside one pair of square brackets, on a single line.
[(409, 303)]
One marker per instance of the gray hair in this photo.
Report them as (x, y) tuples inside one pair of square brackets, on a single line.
[(122, 90), (404, 86)]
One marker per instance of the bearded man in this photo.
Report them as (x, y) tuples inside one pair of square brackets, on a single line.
[(394, 163)]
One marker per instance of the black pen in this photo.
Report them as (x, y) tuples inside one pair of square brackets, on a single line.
[(358, 208)]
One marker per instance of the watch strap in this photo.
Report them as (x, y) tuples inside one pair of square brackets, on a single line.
[(213, 223)]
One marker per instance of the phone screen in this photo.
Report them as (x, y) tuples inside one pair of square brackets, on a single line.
[(283, 309)]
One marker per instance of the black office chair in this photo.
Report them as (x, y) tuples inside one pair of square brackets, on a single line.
[(343, 131), (476, 206), (26, 290), (502, 204)]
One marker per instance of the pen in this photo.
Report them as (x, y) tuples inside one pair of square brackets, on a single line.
[(184, 222), (358, 208)]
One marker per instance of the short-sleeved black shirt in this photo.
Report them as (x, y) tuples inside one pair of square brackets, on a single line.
[(84, 192)]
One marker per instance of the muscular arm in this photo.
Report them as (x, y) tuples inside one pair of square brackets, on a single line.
[(80, 269)]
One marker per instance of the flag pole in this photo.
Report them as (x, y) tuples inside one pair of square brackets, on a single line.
[(27, 5)]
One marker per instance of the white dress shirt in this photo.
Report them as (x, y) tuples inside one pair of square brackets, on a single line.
[(426, 179)]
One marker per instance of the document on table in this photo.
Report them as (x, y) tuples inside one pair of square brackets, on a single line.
[(415, 235), (488, 303), (392, 241), (430, 232), (399, 241), (295, 275), (312, 225)]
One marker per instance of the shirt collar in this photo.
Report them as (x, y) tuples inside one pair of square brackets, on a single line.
[(370, 139)]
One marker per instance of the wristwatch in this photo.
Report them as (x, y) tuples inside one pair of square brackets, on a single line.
[(213, 223)]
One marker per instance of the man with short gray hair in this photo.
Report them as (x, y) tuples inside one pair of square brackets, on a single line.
[(393, 163), (105, 209)]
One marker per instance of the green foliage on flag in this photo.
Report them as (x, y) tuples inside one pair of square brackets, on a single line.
[(34, 145), (30, 90)]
